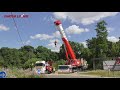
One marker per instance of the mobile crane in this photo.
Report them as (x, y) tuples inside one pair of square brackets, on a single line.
[(72, 63)]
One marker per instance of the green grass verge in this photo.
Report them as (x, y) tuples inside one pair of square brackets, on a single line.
[(103, 73)]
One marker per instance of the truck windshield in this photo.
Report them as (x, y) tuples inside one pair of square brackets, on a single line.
[(63, 67), (39, 64)]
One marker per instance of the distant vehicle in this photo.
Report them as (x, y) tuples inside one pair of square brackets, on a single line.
[(65, 69), (42, 67), (113, 65)]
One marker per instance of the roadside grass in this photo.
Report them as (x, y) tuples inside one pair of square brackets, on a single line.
[(19, 73), (103, 73)]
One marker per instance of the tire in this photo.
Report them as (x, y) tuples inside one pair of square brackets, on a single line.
[(72, 70), (47, 72)]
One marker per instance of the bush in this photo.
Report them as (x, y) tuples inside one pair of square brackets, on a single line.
[(60, 62)]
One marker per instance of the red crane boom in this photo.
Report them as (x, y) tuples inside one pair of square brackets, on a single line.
[(68, 49)]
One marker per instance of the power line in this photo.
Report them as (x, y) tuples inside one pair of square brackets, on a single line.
[(17, 29)]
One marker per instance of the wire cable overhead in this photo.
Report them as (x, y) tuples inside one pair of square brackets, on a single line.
[(17, 29)]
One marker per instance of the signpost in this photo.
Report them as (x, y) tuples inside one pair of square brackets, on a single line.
[(2, 74), (38, 71)]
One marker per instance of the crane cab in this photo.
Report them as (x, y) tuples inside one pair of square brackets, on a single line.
[(65, 69)]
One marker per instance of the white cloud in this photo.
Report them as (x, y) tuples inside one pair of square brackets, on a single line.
[(86, 30), (41, 36), (60, 15), (27, 42), (113, 39), (75, 30), (85, 44), (46, 36), (52, 19), (110, 29), (83, 17), (49, 18), (3, 28), (69, 36), (53, 40), (51, 45), (55, 50), (56, 34)]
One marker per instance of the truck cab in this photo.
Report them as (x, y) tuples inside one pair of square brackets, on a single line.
[(40, 65)]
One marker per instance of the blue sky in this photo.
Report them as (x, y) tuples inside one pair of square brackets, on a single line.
[(38, 28)]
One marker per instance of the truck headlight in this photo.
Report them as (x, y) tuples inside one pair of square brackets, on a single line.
[(78, 62)]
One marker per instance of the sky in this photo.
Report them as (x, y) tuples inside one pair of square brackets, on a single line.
[(38, 28)]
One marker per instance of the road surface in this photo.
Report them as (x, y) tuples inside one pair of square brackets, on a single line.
[(72, 75)]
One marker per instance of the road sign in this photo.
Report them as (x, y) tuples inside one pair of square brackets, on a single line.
[(2, 74), (38, 71)]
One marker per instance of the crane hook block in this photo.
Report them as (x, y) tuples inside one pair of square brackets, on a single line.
[(55, 43)]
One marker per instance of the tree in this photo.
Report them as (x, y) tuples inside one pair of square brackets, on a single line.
[(1, 61), (118, 48), (54, 56), (46, 54), (98, 45), (102, 34), (59, 62), (26, 53), (27, 48), (62, 52), (10, 57), (92, 46), (30, 63), (78, 49)]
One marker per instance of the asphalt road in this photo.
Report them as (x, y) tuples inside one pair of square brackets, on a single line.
[(73, 75)]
